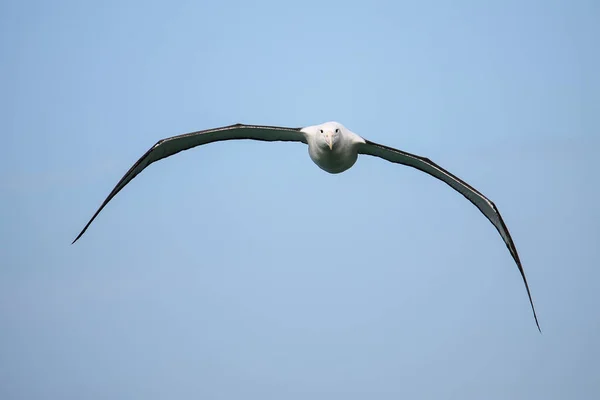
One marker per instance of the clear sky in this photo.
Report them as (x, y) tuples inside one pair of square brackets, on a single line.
[(240, 270)]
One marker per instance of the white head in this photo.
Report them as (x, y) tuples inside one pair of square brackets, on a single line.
[(331, 146), (326, 135)]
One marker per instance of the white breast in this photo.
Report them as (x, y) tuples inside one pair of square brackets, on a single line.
[(342, 157)]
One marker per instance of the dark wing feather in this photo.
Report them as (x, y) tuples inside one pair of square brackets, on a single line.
[(173, 145), (486, 206)]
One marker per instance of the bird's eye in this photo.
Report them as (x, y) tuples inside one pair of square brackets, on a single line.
[(337, 131), (321, 130)]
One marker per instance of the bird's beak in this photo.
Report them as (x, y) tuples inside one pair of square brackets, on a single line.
[(329, 139)]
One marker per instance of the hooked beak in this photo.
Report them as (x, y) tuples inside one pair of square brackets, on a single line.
[(329, 139)]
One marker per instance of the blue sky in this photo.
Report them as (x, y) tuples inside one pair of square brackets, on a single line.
[(241, 270)]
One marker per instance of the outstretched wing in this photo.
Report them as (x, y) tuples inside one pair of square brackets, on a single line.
[(485, 205), (173, 145)]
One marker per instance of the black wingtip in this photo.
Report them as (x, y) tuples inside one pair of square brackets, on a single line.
[(537, 323), (78, 236)]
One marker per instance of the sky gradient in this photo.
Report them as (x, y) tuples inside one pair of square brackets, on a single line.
[(240, 269)]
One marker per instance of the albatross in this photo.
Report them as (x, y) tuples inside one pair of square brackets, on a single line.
[(334, 148)]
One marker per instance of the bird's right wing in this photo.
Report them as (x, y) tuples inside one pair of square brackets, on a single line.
[(173, 145)]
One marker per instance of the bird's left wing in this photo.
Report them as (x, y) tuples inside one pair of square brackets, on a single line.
[(173, 145), (485, 205)]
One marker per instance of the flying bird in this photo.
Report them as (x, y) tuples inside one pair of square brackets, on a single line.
[(334, 148)]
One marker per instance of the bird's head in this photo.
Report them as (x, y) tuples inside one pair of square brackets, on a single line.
[(328, 134)]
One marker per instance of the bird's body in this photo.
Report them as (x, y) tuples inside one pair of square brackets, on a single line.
[(334, 149), (341, 155)]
